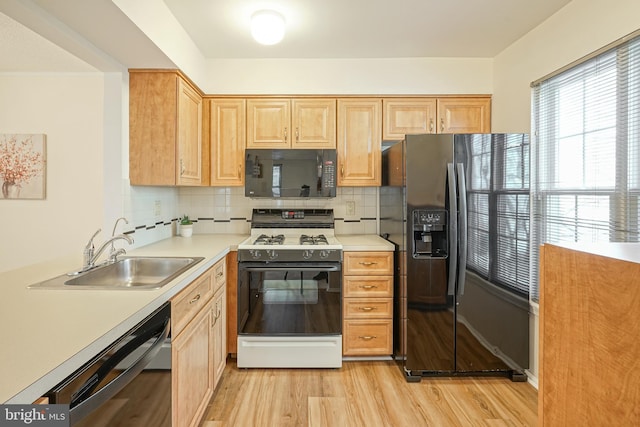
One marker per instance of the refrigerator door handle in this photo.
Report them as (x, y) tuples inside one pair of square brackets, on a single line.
[(462, 227), (453, 228)]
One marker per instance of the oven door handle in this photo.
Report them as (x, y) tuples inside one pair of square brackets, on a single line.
[(291, 267), (83, 402)]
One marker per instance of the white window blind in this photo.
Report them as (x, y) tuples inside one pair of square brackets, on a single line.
[(498, 210), (585, 166)]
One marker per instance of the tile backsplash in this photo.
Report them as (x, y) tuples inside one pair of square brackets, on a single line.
[(227, 210), (153, 212)]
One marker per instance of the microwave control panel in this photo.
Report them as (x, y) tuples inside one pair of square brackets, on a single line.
[(329, 176)]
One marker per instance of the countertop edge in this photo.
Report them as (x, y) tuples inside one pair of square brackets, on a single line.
[(167, 247), (70, 365)]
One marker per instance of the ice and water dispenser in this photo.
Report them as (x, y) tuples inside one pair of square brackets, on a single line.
[(430, 233)]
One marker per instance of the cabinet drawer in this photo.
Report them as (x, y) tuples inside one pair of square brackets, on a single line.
[(219, 274), (367, 263), (368, 286), (189, 301), (367, 337), (369, 308)]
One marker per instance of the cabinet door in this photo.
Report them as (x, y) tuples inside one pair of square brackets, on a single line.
[(192, 370), (313, 123), (189, 137), (407, 116), (219, 335), (359, 142), (464, 115), (268, 123), (152, 117), (228, 138)]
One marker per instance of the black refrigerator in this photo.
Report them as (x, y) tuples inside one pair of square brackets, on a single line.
[(448, 319)]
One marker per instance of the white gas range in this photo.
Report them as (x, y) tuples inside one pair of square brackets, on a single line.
[(290, 291)]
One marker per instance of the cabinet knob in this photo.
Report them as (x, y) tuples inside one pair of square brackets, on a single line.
[(366, 308), (297, 135), (367, 337), (431, 126), (368, 286), (441, 125), (195, 299), (285, 134)]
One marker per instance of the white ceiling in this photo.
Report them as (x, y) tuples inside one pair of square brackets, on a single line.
[(364, 28), (30, 30)]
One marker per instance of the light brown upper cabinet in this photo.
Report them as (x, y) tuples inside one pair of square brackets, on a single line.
[(227, 141), (291, 123), (359, 142), (165, 130), (464, 115), (404, 116), (407, 116)]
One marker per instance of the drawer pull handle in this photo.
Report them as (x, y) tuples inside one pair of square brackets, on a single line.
[(368, 286), (366, 308), (217, 315), (367, 263), (367, 337), (220, 274), (195, 299)]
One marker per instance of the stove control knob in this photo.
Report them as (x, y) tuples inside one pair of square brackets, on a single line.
[(307, 254), (272, 254), (255, 254), (324, 253)]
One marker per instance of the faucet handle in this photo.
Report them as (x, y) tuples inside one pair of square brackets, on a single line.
[(113, 256), (90, 242), (87, 253)]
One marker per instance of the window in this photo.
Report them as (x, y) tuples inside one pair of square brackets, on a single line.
[(586, 152), (498, 210)]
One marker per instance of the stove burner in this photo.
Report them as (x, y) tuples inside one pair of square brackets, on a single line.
[(263, 239), (320, 239)]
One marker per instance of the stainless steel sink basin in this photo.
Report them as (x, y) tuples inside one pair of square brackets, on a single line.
[(126, 273)]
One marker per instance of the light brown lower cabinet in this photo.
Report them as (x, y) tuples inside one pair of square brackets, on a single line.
[(219, 307), (192, 369), (198, 345), (589, 336), (367, 304)]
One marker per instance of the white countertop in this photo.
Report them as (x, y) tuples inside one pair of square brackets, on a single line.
[(364, 242), (626, 251), (48, 334)]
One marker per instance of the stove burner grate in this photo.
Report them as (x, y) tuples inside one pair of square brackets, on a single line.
[(263, 239), (320, 239)]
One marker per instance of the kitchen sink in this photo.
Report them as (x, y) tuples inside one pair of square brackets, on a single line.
[(126, 273)]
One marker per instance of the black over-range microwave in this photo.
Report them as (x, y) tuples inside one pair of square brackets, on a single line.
[(290, 173)]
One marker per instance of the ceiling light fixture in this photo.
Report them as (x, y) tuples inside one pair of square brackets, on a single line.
[(267, 27)]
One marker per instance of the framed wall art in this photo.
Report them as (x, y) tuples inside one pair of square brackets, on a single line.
[(22, 166)]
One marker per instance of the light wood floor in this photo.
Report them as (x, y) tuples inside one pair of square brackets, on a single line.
[(371, 393)]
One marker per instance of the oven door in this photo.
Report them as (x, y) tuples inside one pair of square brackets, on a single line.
[(294, 299)]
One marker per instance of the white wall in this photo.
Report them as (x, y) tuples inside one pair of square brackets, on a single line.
[(578, 29), (349, 76), (68, 109), (85, 119), (581, 27)]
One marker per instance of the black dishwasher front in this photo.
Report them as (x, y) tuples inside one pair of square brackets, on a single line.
[(98, 390)]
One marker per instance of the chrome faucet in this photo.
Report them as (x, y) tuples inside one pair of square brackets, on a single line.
[(114, 254), (90, 255)]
